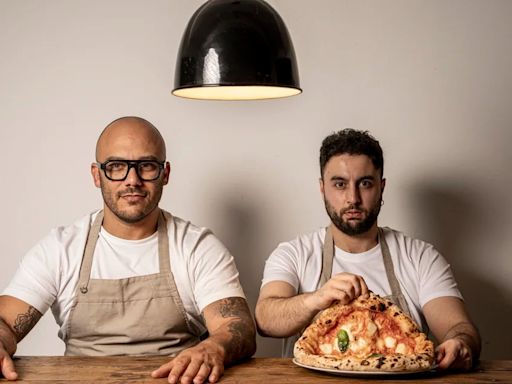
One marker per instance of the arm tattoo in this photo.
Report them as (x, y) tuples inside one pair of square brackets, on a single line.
[(241, 329), (25, 322)]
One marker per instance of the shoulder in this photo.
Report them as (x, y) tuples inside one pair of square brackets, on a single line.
[(410, 246), (67, 236), (189, 239), (304, 244), (185, 232)]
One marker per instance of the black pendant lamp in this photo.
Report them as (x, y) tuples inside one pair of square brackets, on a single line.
[(236, 50)]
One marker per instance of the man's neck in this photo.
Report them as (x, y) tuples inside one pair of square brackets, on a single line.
[(130, 231), (358, 243)]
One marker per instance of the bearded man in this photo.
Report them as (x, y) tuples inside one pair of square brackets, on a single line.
[(353, 255)]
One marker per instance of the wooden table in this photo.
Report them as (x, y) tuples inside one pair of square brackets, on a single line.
[(117, 370)]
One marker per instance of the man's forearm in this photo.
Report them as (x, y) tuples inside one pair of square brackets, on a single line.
[(237, 337), (469, 334), (7, 338), (283, 317)]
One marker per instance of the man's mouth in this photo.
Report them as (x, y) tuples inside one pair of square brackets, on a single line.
[(133, 197), (353, 214)]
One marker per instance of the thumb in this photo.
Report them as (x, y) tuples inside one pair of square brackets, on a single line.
[(8, 369)]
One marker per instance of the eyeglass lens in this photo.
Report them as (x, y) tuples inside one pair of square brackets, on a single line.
[(146, 170)]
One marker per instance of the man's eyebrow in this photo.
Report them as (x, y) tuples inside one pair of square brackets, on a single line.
[(341, 178), (150, 157), (367, 177)]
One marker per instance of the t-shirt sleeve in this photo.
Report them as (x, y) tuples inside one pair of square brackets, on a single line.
[(436, 276), (282, 265), (35, 280), (214, 272)]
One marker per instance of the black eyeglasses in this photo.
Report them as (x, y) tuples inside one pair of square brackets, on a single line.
[(117, 170)]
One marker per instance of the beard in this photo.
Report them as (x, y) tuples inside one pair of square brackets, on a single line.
[(130, 216), (353, 227)]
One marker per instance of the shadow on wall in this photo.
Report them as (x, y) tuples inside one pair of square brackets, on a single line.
[(459, 226), (243, 230)]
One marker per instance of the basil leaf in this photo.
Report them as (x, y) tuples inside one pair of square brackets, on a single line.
[(343, 340)]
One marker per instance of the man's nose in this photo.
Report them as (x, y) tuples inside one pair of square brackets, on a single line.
[(132, 178), (353, 197)]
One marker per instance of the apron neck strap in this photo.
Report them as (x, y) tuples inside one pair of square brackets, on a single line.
[(92, 238), (328, 252)]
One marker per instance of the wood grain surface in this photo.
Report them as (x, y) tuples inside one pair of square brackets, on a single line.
[(131, 369)]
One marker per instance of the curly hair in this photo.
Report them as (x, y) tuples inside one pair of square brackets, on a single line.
[(352, 142)]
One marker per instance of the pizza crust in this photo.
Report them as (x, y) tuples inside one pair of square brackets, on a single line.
[(307, 349)]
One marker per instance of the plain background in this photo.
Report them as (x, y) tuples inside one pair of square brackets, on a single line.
[(430, 79)]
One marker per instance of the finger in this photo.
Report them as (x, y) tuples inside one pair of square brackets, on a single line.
[(191, 371), (364, 288), (447, 358), (179, 365), (463, 359), (163, 370), (203, 373), (8, 369), (217, 371)]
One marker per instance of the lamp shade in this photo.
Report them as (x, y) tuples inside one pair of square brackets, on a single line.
[(236, 50)]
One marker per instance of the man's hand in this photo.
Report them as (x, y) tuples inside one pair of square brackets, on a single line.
[(203, 362), (454, 353), (460, 341), (343, 287), (231, 338), (7, 365)]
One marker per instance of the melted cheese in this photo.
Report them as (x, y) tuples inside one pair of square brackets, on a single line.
[(401, 348), (326, 348), (389, 342), (371, 328)]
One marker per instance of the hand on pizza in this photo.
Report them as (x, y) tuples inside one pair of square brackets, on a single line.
[(368, 334)]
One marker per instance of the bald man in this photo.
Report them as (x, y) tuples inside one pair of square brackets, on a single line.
[(131, 279)]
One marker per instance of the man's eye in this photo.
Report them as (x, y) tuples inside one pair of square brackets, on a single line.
[(339, 184), (149, 166), (116, 165), (366, 184)]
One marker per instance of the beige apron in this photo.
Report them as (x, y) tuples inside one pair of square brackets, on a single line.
[(132, 316), (396, 296)]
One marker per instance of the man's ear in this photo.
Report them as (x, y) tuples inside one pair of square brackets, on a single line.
[(321, 181), (95, 172), (382, 185), (167, 172)]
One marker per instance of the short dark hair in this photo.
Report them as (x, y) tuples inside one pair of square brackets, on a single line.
[(352, 142)]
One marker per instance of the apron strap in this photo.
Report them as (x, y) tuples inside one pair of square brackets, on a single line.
[(163, 244), (165, 267), (327, 257), (396, 291), (85, 267)]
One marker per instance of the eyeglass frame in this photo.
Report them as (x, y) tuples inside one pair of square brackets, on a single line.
[(132, 164)]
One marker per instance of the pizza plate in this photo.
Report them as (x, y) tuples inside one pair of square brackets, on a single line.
[(364, 373)]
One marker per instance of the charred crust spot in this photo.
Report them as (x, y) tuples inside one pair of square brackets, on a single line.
[(365, 362), (392, 365), (382, 307), (373, 308), (328, 321), (395, 314)]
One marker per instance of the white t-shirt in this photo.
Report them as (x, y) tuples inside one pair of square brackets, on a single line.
[(422, 272), (203, 269)]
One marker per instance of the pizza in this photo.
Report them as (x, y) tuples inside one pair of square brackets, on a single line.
[(368, 334)]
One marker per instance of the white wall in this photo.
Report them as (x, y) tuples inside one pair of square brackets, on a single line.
[(430, 79)]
